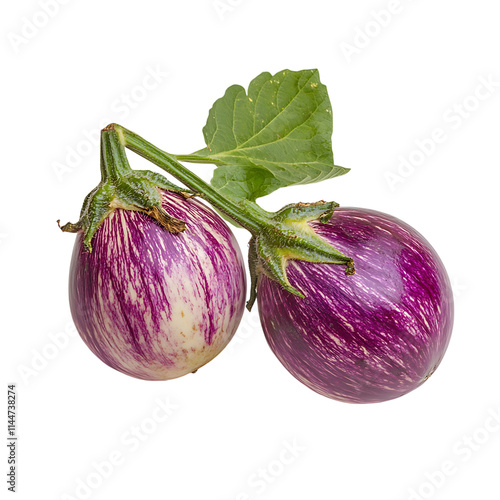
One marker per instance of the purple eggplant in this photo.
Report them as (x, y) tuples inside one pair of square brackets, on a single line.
[(369, 337), (156, 305)]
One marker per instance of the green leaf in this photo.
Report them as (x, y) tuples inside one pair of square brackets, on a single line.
[(277, 135), (249, 182)]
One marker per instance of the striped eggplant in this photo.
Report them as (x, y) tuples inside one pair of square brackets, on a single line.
[(369, 337), (156, 305)]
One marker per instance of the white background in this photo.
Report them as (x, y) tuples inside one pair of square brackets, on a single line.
[(66, 76)]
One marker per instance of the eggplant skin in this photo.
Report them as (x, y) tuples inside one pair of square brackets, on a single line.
[(369, 337), (156, 305)]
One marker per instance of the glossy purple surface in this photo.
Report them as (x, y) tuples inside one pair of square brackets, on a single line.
[(369, 337), (155, 305)]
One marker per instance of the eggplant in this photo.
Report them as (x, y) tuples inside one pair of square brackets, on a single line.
[(153, 304), (369, 337)]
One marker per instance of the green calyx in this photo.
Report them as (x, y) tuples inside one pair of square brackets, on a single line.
[(123, 188), (275, 134), (288, 236), (276, 237)]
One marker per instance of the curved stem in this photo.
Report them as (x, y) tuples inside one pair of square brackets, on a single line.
[(254, 222), (114, 162), (276, 237)]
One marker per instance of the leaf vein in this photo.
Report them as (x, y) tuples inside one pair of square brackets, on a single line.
[(279, 138), (286, 107)]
